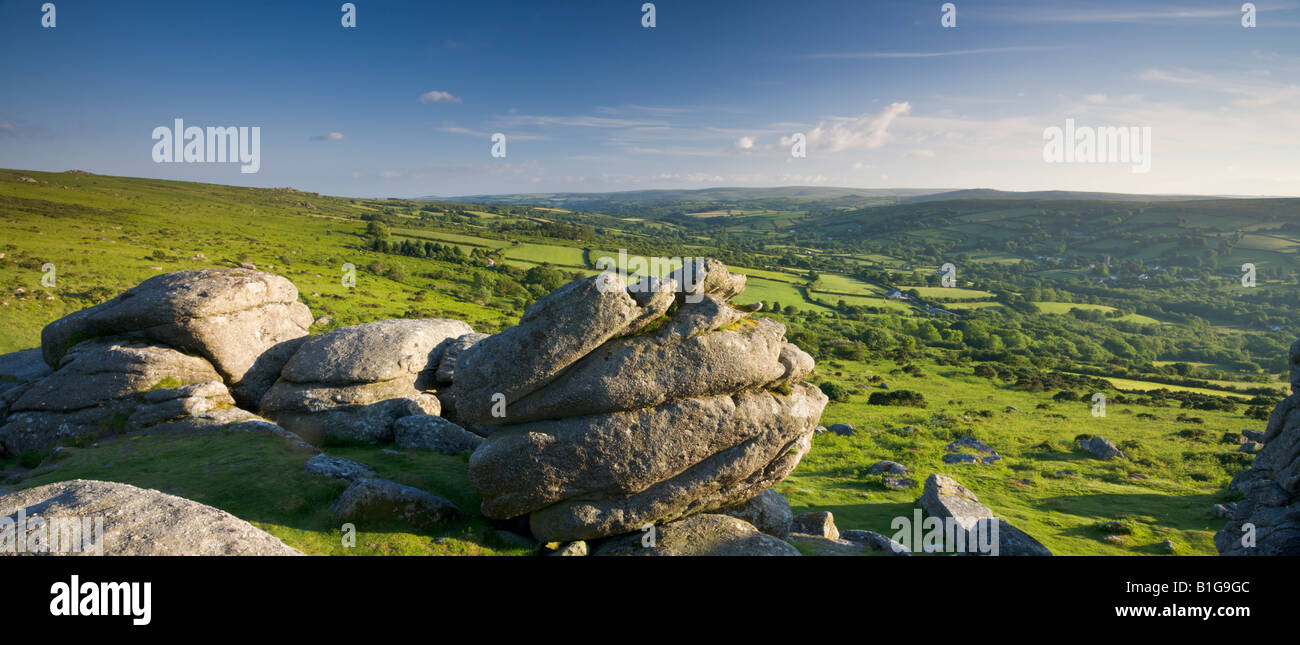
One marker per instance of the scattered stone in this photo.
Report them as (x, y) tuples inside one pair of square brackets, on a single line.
[(961, 458), (1251, 435), (1168, 546), (875, 541), (898, 483), (1103, 449), (971, 443), (338, 468), (842, 429), (707, 534), (428, 432), (1250, 446), (887, 468), (819, 524), (380, 500), (139, 521), (1225, 511), (944, 498)]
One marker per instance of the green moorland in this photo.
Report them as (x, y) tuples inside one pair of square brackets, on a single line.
[(1058, 300)]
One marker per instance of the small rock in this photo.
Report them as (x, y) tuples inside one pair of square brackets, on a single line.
[(898, 483), (578, 548), (842, 429), (1103, 449), (972, 443), (887, 467), (1249, 446), (1224, 510), (337, 467), (428, 432), (1167, 545), (383, 500), (875, 541), (1253, 435), (960, 458), (820, 524)]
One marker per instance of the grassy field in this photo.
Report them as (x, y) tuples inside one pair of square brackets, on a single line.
[(1044, 485)]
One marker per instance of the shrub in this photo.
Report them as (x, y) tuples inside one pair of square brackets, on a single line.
[(897, 397), (835, 391)]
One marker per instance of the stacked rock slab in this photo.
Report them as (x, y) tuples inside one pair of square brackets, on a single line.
[(110, 385), (245, 323), (621, 406), (355, 382), (1267, 520)]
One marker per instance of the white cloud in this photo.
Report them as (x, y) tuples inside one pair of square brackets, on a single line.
[(867, 131), (333, 136), (439, 96)]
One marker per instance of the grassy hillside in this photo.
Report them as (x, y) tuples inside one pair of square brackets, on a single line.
[(1186, 355)]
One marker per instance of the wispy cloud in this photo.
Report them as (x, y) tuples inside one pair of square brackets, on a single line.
[(863, 55), (333, 136), (439, 96)]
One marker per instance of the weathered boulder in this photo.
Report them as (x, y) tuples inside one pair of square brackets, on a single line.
[(600, 475), (707, 534), (447, 365), (553, 333), (139, 521), (380, 500), (246, 323), (768, 512), (620, 406), (353, 383), (644, 371), (943, 497), (427, 432), (110, 385), (946, 499), (1266, 521), (1103, 449)]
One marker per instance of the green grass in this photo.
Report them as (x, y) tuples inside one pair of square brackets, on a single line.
[(1184, 478), (257, 478)]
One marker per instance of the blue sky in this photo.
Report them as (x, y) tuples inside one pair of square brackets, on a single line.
[(592, 101)]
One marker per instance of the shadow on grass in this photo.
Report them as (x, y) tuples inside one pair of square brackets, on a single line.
[(259, 479)]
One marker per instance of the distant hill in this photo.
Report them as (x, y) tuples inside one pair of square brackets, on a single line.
[(706, 199), (989, 193)]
